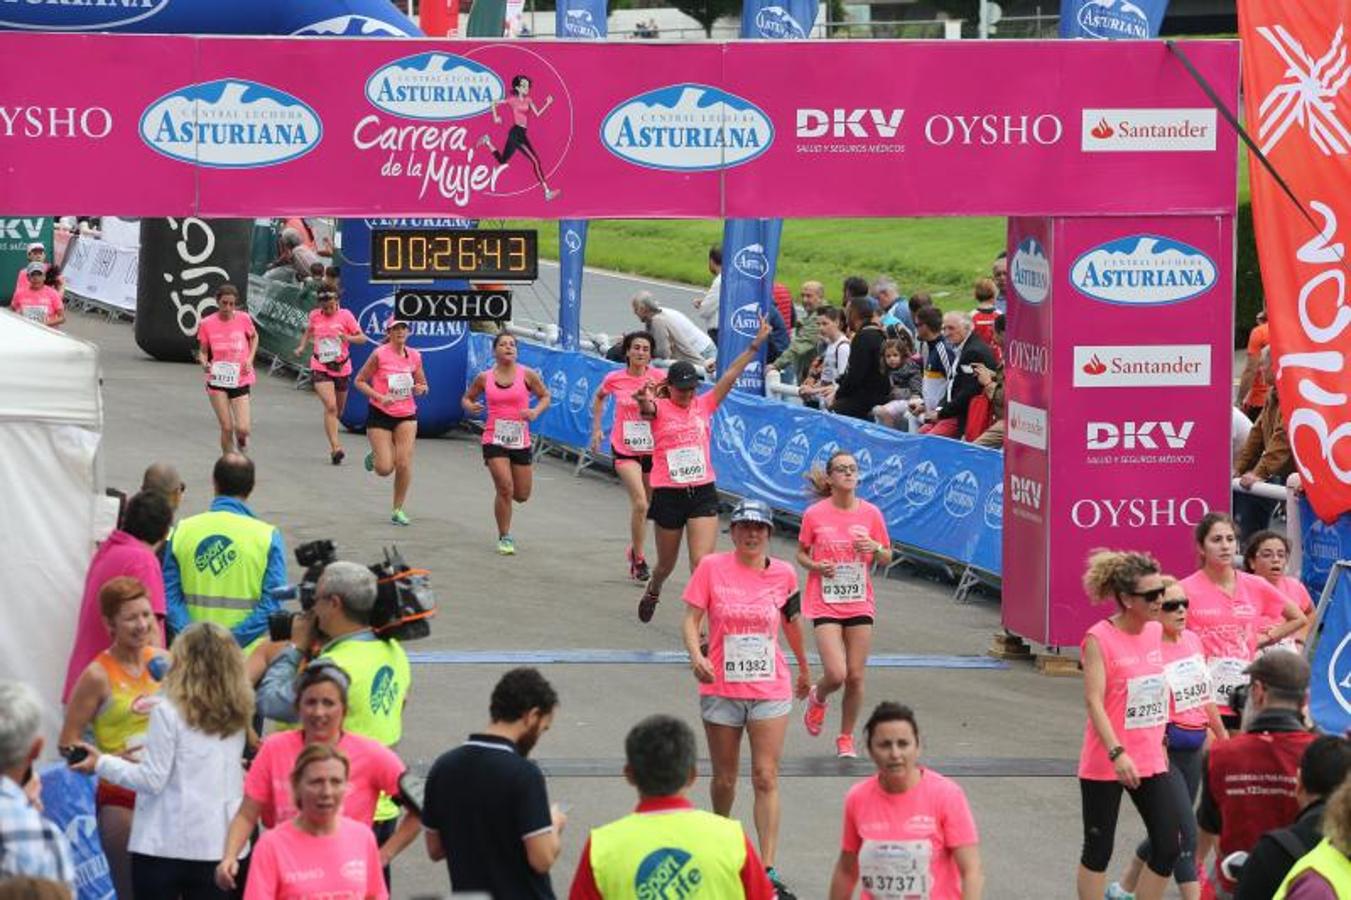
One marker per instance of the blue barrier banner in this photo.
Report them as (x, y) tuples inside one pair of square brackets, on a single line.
[(778, 20), (1320, 546), (940, 496), (68, 801), (1111, 19), (747, 291), (571, 259), (1330, 686), (583, 19)]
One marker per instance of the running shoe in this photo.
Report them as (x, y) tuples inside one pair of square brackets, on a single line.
[(1116, 892), (337, 456), (369, 461), (781, 891), (549, 195), (814, 716), (641, 572), (399, 517), (647, 605), (506, 546), (844, 747)]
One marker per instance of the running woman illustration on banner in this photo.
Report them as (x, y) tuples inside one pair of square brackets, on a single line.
[(520, 104)]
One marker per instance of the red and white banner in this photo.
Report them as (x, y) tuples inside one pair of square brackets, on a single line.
[(1297, 81)]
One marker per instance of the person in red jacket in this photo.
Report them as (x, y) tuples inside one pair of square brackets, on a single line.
[(1249, 786)]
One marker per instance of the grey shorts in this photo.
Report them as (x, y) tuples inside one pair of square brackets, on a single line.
[(736, 713)]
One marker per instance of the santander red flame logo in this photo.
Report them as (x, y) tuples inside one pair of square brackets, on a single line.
[(1094, 366), (1102, 131)]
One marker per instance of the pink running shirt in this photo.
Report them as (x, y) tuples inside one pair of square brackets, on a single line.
[(394, 375), (506, 425), (227, 349), (1136, 700), (327, 345), (829, 533), (290, 864), (631, 434), (374, 768), (905, 841), (1189, 688), (1229, 626), (519, 107), (681, 452), (743, 606), (37, 305)]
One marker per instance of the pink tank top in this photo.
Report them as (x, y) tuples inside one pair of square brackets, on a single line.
[(1184, 664), (506, 426), (394, 376), (1136, 699)]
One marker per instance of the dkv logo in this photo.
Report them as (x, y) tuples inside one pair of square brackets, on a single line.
[(1138, 435), (1143, 270), (438, 86), (231, 124), (1030, 271), (687, 128)]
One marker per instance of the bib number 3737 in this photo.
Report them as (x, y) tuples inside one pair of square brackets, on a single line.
[(895, 870)]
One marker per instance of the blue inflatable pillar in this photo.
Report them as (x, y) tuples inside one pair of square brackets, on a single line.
[(444, 345)]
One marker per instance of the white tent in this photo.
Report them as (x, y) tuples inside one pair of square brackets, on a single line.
[(51, 416)]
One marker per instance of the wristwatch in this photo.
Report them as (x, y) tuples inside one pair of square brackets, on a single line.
[(1115, 752)]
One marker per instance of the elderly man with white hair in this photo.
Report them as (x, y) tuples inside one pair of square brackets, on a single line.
[(30, 845), (949, 419), (674, 336), (895, 311)]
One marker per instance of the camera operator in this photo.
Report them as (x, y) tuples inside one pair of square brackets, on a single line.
[(1249, 786), (337, 628)]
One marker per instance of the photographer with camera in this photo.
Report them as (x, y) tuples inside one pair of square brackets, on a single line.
[(336, 627), (1249, 786)]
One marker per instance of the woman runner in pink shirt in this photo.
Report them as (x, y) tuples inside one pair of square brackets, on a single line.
[(630, 439), (36, 300), (505, 391), (1125, 691), (684, 492), (392, 379), (1266, 556), (227, 342), (744, 682), (320, 852), (520, 103), (1234, 613), (908, 831), (840, 540), (332, 330)]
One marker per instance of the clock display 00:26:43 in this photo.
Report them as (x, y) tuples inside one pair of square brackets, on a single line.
[(401, 254)]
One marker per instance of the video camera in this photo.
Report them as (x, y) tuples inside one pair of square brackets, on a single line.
[(404, 603)]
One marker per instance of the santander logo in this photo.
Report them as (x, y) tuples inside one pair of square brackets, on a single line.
[(1102, 131), (1094, 366)]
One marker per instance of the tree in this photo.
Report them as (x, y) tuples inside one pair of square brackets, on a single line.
[(706, 12)]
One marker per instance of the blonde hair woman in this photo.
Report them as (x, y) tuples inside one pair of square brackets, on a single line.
[(188, 780)]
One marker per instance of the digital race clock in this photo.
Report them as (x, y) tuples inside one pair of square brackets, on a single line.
[(404, 254)]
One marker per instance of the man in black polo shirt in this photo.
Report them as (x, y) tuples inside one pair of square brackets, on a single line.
[(486, 807)]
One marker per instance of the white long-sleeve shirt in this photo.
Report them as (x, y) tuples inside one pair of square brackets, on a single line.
[(707, 308), (188, 787)]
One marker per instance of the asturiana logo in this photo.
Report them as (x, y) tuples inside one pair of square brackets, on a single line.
[(824, 454), (425, 337), (90, 15), (764, 443), (921, 484), (580, 393), (1144, 270), (730, 430), (1030, 271), (579, 23), (994, 507), (231, 124), (1113, 19), (746, 319), (960, 497), (751, 261), (794, 456), (572, 240), (888, 476), (353, 26), (687, 128), (436, 86), (777, 23)]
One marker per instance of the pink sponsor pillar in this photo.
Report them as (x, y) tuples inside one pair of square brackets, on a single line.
[(1118, 360)]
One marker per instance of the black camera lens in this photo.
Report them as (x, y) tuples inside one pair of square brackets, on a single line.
[(279, 626)]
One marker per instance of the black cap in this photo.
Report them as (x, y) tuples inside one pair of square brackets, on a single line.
[(682, 375)]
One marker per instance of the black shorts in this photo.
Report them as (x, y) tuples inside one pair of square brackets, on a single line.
[(340, 382), (378, 418), (232, 393), (851, 622), (519, 456), (645, 460), (672, 507)]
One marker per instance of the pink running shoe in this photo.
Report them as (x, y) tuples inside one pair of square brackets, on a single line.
[(844, 747), (814, 716)]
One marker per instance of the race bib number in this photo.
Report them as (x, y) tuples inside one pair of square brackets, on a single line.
[(1226, 673), (509, 433), (747, 657), (638, 436), (895, 870), (225, 374), (1146, 702), (328, 349), (850, 584), (401, 385), (35, 313), (687, 465), (1189, 682)]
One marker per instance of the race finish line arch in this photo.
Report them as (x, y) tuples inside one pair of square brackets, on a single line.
[(1106, 156)]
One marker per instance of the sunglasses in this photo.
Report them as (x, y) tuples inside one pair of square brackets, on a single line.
[(845, 470), (1149, 596), (1174, 605)]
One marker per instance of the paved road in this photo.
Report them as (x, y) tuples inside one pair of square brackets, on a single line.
[(1009, 734), (605, 299)]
